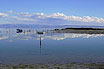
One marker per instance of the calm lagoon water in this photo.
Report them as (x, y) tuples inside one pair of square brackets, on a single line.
[(28, 47)]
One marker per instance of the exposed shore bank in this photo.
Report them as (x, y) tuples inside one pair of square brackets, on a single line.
[(52, 66)]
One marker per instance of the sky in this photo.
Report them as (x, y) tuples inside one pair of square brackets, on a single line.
[(78, 8)]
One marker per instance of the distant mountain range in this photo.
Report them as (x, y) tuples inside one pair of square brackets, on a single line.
[(46, 26)]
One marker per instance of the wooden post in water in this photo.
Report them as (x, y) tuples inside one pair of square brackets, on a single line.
[(40, 44)]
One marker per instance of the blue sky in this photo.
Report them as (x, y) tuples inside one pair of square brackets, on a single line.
[(90, 12), (68, 7)]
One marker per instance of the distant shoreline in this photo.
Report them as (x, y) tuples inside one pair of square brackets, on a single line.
[(80, 30)]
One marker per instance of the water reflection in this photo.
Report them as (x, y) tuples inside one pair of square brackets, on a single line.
[(49, 46), (26, 34)]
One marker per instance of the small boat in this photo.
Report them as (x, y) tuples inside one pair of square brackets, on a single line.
[(19, 30), (39, 32)]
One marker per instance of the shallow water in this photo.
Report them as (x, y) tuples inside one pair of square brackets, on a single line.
[(28, 47)]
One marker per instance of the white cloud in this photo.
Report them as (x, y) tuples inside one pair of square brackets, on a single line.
[(22, 19), (3, 15), (59, 18)]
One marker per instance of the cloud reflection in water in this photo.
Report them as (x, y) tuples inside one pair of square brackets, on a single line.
[(27, 34)]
